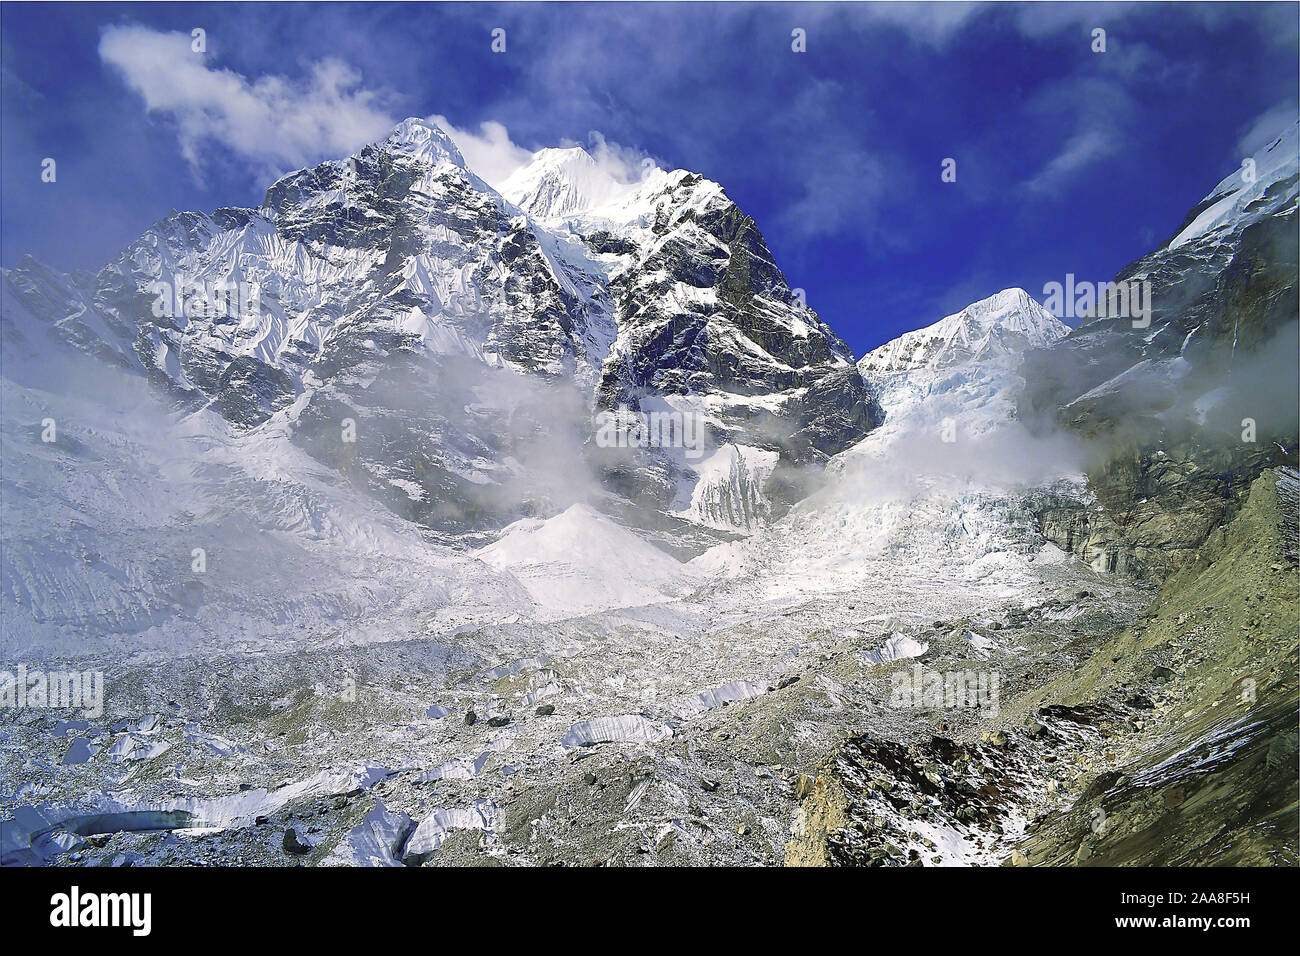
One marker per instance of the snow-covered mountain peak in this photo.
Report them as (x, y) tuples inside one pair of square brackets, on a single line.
[(414, 143), (996, 328), (604, 293), (950, 394), (559, 183), (423, 141), (1010, 308), (563, 156)]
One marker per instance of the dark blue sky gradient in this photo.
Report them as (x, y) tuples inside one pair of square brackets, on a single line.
[(1068, 161)]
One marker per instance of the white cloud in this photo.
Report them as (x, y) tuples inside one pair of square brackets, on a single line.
[(275, 123), (1267, 127), (625, 164), (1080, 151), (490, 152), (493, 155), (1044, 19), (933, 23), (1102, 112), (842, 193)]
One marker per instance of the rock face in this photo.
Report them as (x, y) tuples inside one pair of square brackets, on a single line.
[(1155, 510), (1184, 411), (1209, 778), (446, 346), (707, 322), (1169, 742)]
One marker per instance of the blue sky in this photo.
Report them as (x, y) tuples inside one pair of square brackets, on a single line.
[(1067, 160)]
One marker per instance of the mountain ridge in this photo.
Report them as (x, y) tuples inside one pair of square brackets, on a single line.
[(394, 284)]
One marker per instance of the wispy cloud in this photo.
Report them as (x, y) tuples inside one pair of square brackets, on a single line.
[(490, 152), (934, 23), (844, 191), (625, 164), (1079, 152), (1100, 111), (1267, 127), (274, 122)]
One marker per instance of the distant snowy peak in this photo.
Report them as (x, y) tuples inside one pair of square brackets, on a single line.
[(1264, 182), (423, 141), (997, 328), (559, 183)]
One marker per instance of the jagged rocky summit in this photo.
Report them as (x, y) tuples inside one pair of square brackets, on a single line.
[(446, 345)]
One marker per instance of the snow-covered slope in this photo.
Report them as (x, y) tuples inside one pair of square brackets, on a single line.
[(137, 529), (1269, 180)]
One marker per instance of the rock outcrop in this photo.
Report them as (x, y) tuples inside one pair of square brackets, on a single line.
[(1184, 407)]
